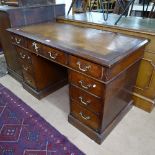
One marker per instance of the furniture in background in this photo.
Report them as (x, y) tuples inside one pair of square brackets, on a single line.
[(152, 12), (10, 53), (145, 7), (108, 5), (18, 16), (79, 6), (10, 2), (101, 75), (26, 2), (94, 5), (139, 8), (120, 6)]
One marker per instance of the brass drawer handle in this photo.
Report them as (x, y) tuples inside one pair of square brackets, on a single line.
[(18, 41), (83, 102), (85, 69), (23, 56), (53, 55), (87, 86), (28, 57), (12, 38), (29, 82), (34, 44), (84, 117), (25, 68)]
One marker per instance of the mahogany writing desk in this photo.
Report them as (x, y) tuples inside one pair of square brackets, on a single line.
[(102, 68)]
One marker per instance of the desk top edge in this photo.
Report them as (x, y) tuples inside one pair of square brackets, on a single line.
[(94, 57)]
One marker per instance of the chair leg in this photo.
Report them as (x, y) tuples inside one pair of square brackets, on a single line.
[(152, 10), (131, 8), (91, 7), (71, 6), (131, 1)]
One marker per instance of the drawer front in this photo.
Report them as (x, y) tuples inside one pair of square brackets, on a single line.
[(85, 116), (27, 68), (34, 46), (19, 40), (88, 101), (86, 83), (29, 79), (87, 67), (24, 56), (54, 54)]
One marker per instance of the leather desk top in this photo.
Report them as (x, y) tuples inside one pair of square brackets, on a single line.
[(103, 47)]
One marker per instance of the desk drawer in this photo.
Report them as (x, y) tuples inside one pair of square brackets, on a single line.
[(86, 67), (24, 56), (27, 68), (86, 83), (54, 54), (85, 116), (88, 101), (29, 79), (19, 40)]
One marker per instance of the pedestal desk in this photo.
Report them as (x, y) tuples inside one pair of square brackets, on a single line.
[(101, 68)]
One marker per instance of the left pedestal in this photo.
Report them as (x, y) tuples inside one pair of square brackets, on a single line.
[(40, 76)]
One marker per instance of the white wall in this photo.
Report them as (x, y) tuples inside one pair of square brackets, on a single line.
[(67, 2)]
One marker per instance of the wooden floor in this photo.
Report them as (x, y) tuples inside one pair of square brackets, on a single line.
[(136, 23)]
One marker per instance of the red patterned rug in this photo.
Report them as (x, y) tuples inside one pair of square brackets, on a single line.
[(25, 132)]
